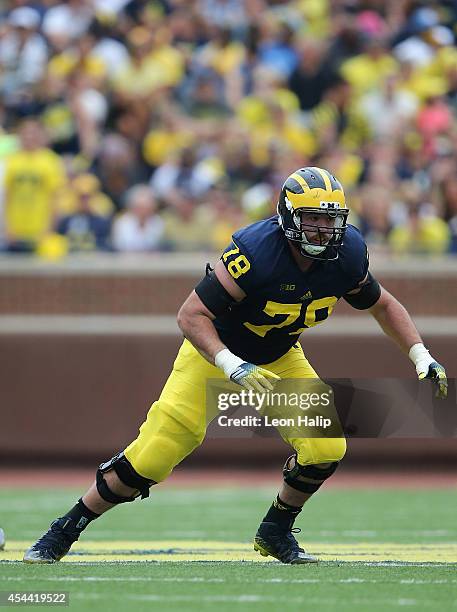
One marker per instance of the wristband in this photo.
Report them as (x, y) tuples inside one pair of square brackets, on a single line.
[(227, 361), (421, 358), (419, 352)]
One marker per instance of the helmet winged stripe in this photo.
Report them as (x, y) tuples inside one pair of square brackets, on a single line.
[(300, 180), (325, 177)]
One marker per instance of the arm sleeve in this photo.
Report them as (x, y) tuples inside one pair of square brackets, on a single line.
[(367, 296)]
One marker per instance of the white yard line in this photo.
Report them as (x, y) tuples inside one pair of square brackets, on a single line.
[(272, 581)]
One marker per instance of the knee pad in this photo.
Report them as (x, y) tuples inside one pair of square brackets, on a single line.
[(127, 475), (306, 478)]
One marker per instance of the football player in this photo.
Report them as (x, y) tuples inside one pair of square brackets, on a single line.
[(241, 323)]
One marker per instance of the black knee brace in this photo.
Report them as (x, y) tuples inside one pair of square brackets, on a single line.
[(306, 478), (126, 474)]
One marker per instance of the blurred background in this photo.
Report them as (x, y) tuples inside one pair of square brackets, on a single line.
[(136, 136)]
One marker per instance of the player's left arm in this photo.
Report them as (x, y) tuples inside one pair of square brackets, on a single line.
[(396, 323)]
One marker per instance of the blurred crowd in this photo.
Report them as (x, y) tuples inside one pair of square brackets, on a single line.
[(164, 125)]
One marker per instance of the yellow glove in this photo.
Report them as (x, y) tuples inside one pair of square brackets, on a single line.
[(427, 367), (248, 375)]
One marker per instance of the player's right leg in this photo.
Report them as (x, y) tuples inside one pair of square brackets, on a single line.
[(175, 426)]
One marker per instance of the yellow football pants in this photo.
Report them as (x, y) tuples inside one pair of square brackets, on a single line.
[(176, 423)]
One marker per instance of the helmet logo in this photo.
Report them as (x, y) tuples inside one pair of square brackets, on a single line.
[(329, 205), (293, 235)]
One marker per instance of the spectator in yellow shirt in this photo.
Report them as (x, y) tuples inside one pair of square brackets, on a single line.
[(426, 235), (32, 177), (154, 65), (367, 70)]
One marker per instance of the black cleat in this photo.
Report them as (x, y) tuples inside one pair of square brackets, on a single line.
[(54, 544), (271, 540)]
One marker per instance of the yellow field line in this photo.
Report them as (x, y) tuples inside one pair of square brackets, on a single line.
[(199, 550)]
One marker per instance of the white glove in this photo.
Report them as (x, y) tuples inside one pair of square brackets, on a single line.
[(248, 375), (427, 367)]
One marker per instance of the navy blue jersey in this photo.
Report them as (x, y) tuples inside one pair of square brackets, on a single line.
[(281, 300)]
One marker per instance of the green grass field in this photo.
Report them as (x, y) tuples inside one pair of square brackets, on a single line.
[(191, 549)]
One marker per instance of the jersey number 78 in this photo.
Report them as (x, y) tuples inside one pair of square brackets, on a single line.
[(306, 314)]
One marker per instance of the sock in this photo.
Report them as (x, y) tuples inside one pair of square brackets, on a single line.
[(81, 515), (282, 514)]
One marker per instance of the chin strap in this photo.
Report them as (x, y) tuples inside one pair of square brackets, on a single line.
[(318, 249), (322, 256)]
